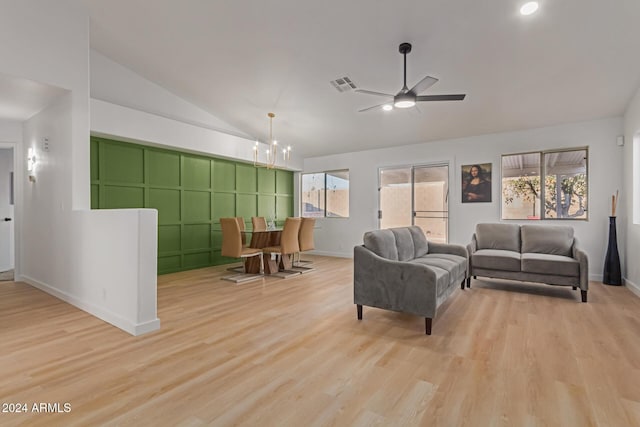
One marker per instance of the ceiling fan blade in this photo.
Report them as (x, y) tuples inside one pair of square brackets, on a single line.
[(424, 84), (371, 108), (440, 97), (370, 92)]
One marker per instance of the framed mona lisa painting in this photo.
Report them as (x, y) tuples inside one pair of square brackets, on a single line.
[(476, 183)]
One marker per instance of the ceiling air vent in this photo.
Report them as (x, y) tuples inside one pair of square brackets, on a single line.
[(343, 84)]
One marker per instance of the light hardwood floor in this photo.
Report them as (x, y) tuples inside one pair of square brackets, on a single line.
[(291, 353)]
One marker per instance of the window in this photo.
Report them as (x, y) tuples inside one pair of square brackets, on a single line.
[(563, 195), (325, 194)]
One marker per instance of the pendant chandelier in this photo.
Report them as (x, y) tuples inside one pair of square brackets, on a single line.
[(271, 151)]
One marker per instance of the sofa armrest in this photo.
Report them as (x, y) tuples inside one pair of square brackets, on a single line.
[(471, 249), (581, 256), (473, 246), (393, 285), (446, 248)]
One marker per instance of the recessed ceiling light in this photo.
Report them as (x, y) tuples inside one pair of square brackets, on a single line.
[(387, 107), (529, 8)]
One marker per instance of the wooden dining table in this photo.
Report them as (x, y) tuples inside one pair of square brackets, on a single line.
[(264, 239)]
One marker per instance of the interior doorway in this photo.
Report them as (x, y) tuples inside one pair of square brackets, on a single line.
[(7, 213), (415, 195)]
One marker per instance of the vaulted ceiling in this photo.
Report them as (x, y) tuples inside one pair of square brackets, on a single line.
[(573, 60)]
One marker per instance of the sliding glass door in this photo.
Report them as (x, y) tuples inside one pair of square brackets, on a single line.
[(416, 195)]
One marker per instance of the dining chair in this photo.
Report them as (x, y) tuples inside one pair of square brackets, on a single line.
[(259, 223), (242, 230), (288, 246), (232, 248), (305, 243)]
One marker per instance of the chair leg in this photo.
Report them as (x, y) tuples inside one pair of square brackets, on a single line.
[(583, 294), (359, 309), (575, 288), (427, 325), (469, 282), (462, 284)]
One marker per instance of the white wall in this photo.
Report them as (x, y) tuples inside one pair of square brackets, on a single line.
[(115, 84), (338, 236), (631, 194), (10, 131), (128, 302), (127, 107), (48, 42)]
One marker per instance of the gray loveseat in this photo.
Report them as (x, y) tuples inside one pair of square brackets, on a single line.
[(397, 269), (532, 253)]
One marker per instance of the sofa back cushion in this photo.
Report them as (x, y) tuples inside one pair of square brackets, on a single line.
[(504, 237), (397, 244), (381, 243), (547, 239), (420, 243)]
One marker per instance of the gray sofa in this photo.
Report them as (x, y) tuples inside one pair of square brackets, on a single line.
[(397, 269), (532, 253)]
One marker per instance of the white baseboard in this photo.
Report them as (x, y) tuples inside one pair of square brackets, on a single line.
[(102, 314), (334, 254), (143, 328), (632, 287), (595, 277)]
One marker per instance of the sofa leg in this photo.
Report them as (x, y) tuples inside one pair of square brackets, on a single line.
[(583, 294), (475, 277), (462, 284), (575, 288), (427, 325), (469, 282), (359, 308)]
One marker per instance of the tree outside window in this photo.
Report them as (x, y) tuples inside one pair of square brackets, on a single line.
[(565, 185)]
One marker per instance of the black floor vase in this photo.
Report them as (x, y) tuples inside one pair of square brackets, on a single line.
[(612, 274)]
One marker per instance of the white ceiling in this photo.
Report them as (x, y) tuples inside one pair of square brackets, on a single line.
[(20, 98), (573, 60)]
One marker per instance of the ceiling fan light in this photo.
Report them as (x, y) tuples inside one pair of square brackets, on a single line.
[(529, 8), (404, 100), (404, 103), (387, 107)]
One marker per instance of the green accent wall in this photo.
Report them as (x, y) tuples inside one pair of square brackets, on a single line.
[(191, 193)]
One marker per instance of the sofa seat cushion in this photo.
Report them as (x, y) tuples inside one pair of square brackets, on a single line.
[(496, 259), (443, 277), (455, 264), (550, 264)]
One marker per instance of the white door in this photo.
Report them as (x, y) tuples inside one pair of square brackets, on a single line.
[(6, 209)]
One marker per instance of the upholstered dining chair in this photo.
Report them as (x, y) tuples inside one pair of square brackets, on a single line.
[(242, 229), (305, 242), (259, 223), (288, 246), (232, 248)]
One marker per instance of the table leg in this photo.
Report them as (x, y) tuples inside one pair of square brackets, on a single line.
[(270, 265)]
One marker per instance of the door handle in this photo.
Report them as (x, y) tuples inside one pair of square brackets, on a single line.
[(7, 219)]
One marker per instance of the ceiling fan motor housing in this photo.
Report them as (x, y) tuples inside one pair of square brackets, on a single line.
[(405, 48), (404, 100)]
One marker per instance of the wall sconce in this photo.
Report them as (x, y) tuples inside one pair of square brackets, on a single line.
[(31, 164)]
